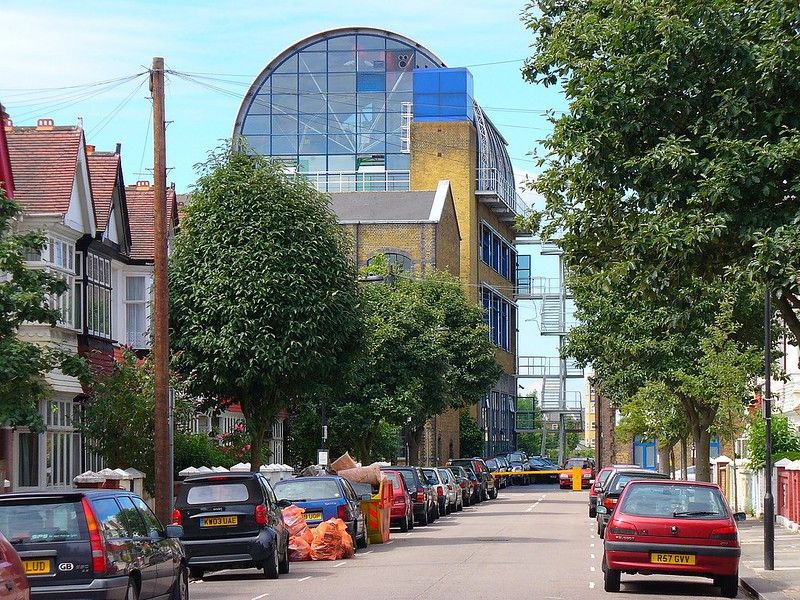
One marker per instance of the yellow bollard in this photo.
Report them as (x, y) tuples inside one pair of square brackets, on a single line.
[(577, 481)]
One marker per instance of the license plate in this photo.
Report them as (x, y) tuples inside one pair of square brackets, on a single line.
[(672, 559), (313, 516), (219, 521), (36, 567)]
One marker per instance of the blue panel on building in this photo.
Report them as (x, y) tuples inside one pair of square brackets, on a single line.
[(443, 95)]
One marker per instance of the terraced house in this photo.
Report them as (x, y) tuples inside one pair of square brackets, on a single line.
[(366, 111)]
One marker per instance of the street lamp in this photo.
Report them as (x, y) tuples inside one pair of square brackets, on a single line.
[(769, 501)]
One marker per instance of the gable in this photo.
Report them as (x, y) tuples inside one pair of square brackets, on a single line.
[(80, 214)]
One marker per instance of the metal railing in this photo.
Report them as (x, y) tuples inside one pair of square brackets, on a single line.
[(359, 181), (547, 366), (491, 180), (537, 286)]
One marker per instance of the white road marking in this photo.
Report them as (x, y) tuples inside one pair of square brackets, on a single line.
[(591, 569), (591, 545), (304, 579), (409, 534), (261, 596), (390, 542), (592, 537), (591, 585), (365, 553), (339, 565), (592, 555)]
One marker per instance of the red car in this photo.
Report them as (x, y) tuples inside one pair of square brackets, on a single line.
[(664, 527), (597, 483), (402, 504), (586, 466), (12, 574)]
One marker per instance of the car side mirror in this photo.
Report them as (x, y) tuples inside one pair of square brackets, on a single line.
[(739, 516), (174, 531), (284, 503)]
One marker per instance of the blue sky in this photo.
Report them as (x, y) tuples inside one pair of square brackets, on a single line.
[(60, 44)]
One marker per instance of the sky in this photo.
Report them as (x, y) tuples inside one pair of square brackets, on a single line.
[(52, 51), (63, 44)]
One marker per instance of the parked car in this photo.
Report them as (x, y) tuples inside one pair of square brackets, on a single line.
[(12, 573), (476, 495), (673, 528), (440, 487), (486, 480), (94, 544), (421, 493), (231, 521), (464, 482), (453, 489), (586, 465), (504, 465), (597, 485), (402, 515), (494, 467), (612, 489), (540, 463), (327, 497)]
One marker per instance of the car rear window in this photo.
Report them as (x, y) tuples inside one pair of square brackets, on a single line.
[(491, 463), (42, 522), (408, 477), (394, 479), (212, 493), (667, 500), (301, 490), (621, 480), (430, 475)]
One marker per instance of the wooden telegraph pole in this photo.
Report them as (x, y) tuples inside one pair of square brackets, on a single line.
[(163, 466)]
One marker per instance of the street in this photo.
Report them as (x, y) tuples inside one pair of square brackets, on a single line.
[(532, 542)]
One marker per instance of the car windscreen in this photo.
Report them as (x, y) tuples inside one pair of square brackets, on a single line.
[(669, 500), (620, 480), (217, 493), (301, 490), (579, 463), (601, 477), (45, 522)]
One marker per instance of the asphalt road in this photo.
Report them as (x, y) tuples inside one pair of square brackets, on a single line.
[(533, 542)]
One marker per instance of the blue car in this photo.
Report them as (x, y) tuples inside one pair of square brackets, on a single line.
[(324, 498)]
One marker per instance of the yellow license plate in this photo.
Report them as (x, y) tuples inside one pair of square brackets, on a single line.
[(36, 567), (661, 558), (219, 521), (313, 516)]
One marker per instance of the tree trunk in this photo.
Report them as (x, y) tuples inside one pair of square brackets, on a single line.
[(256, 447), (414, 437), (684, 459), (702, 439), (789, 316), (663, 460)]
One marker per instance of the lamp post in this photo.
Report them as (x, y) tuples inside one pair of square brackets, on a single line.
[(769, 501)]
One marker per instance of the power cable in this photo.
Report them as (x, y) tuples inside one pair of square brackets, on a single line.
[(110, 116)]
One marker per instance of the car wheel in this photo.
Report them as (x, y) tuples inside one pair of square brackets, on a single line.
[(283, 568), (132, 593), (592, 513), (602, 532), (493, 495), (196, 572), (363, 541), (180, 589), (411, 521), (424, 519), (598, 528), (611, 579), (271, 563), (404, 524), (729, 585)]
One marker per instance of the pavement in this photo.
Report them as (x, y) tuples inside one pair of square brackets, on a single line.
[(532, 542), (782, 583)]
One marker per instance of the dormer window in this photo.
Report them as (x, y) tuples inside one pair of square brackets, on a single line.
[(98, 296)]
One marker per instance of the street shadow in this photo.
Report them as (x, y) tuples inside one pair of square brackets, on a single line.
[(660, 588), (421, 541)]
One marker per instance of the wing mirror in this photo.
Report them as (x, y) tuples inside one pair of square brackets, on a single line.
[(173, 531), (739, 516), (284, 503)]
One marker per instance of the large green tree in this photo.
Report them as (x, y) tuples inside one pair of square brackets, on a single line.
[(25, 296), (263, 301), (678, 156)]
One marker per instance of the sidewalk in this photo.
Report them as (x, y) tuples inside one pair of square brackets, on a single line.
[(784, 582)]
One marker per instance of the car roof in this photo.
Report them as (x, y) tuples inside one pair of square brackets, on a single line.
[(67, 495), (314, 477), (680, 482), (221, 476)]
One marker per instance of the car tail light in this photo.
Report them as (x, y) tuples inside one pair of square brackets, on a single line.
[(623, 530), (609, 502), (420, 494), (261, 514), (177, 519), (725, 533), (463, 485), (96, 541), (439, 491)]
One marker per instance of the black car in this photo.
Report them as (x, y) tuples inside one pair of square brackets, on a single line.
[(425, 504), (231, 520), (616, 482), (94, 544), (540, 463)]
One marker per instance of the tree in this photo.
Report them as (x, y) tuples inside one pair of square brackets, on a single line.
[(263, 302), (678, 155), (25, 296), (784, 439), (471, 437)]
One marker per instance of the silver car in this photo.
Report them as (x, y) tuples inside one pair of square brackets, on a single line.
[(439, 487), (454, 498)]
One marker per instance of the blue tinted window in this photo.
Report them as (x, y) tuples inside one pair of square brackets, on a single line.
[(370, 82)]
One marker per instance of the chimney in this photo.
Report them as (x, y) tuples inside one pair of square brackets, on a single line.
[(45, 125), (5, 120), (89, 149), (143, 185), (118, 150)]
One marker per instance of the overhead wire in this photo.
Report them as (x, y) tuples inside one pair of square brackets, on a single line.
[(114, 112)]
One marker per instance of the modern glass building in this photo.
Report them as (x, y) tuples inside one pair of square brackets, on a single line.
[(363, 109)]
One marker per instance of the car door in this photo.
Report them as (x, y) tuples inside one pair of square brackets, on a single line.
[(274, 514), (142, 545), (355, 504), (163, 557)]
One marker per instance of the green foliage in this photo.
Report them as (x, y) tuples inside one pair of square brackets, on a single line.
[(785, 439), (790, 455), (198, 450), (263, 295), (471, 437), (24, 296), (583, 453)]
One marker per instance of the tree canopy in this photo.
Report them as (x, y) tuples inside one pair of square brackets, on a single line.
[(263, 301)]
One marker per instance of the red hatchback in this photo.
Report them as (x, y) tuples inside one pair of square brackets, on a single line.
[(597, 484), (669, 527), (402, 504), (12, 573)]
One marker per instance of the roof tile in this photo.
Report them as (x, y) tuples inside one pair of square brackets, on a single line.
[(103, 171), (140, 216)]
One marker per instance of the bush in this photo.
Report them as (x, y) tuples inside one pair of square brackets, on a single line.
[(471, 437), (197, 450)]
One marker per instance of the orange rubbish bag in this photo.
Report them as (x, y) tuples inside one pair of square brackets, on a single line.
[(328, 541), (299, 549), (294, 520)]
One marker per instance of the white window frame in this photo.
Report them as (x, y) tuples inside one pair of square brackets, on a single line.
[(133, 338)]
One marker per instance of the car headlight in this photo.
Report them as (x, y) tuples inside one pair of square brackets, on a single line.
[(587, 476), (563, 476)]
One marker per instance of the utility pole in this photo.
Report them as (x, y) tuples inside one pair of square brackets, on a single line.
[(769, 501), (163, 466)]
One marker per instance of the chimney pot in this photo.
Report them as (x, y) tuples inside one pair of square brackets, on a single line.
[(45, 124), (143, 184), (90, 149)]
